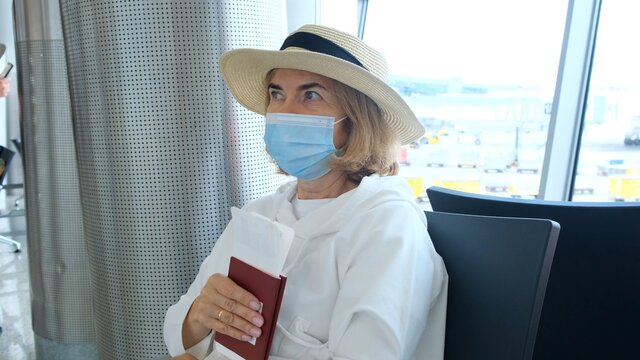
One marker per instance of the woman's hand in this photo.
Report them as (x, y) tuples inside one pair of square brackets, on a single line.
[(4, 87), (225, 308)]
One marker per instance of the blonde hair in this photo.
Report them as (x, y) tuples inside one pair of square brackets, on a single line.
[(372, 146)]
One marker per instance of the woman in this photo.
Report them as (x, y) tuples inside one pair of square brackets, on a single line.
[(364, 281)]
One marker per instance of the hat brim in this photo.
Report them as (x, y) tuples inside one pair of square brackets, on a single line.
[(245, 71)]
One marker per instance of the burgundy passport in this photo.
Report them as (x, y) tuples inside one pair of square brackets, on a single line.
[(269, 290)]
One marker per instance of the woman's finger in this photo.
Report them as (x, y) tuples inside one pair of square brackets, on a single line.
[(236, 300), (222, 307), (235, 326), (229, 289)]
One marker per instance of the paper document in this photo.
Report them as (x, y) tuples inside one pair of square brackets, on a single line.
[(260, 248), (260, 241)]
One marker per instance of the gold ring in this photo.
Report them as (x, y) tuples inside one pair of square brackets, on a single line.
[(220, 315)]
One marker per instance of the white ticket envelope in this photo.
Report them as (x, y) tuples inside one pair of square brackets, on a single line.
[(260, 241)]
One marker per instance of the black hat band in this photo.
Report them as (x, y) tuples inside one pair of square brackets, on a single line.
[(315, 43)]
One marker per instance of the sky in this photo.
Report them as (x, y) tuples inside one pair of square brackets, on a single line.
[(500, 42)]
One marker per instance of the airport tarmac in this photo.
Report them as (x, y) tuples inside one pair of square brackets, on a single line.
[(468, 167)]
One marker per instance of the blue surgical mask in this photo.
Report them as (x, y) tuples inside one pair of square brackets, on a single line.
[(301, 145)]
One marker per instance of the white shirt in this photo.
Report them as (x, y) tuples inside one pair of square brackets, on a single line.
[(363, 278), (302, 207)]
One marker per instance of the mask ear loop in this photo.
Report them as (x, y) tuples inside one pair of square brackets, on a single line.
[(342, 118), (340, 152)]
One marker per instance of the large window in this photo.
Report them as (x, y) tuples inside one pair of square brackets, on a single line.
[(609, 158), (480, 75)]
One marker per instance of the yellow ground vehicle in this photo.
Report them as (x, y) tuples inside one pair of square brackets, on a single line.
[(431, 139), (624, 187), (468, 185), (426, 139), (416, 186)]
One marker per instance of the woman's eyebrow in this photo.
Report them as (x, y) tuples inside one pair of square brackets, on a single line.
[(310, 86), (302, 87)]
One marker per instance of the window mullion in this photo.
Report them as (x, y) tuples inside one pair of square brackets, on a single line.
[(569, 100)]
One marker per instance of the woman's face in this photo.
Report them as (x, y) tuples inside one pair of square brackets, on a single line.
[(302, 92)]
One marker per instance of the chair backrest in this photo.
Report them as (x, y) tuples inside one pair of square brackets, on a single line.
[(592, 306), (18, 144), (5, 159), (498, 269)]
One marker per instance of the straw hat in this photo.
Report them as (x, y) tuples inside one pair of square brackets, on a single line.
[(327, 52)]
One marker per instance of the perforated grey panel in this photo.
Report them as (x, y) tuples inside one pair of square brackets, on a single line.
[(58, 269), (256, 24), (163, 152)]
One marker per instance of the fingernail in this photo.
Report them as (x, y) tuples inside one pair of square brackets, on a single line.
[(254, 305), (255, 332), (246, 337), (257, 321)]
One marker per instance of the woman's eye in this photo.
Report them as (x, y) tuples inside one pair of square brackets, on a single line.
[(311, 95), (275, 95)]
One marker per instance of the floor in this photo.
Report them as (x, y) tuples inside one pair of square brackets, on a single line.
[(16, 339)]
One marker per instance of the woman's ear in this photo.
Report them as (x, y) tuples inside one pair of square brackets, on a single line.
[(347, 123)]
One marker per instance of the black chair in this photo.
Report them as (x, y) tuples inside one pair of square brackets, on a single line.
[(5, 159), (498, 269), (592, 306), (18, 145)]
